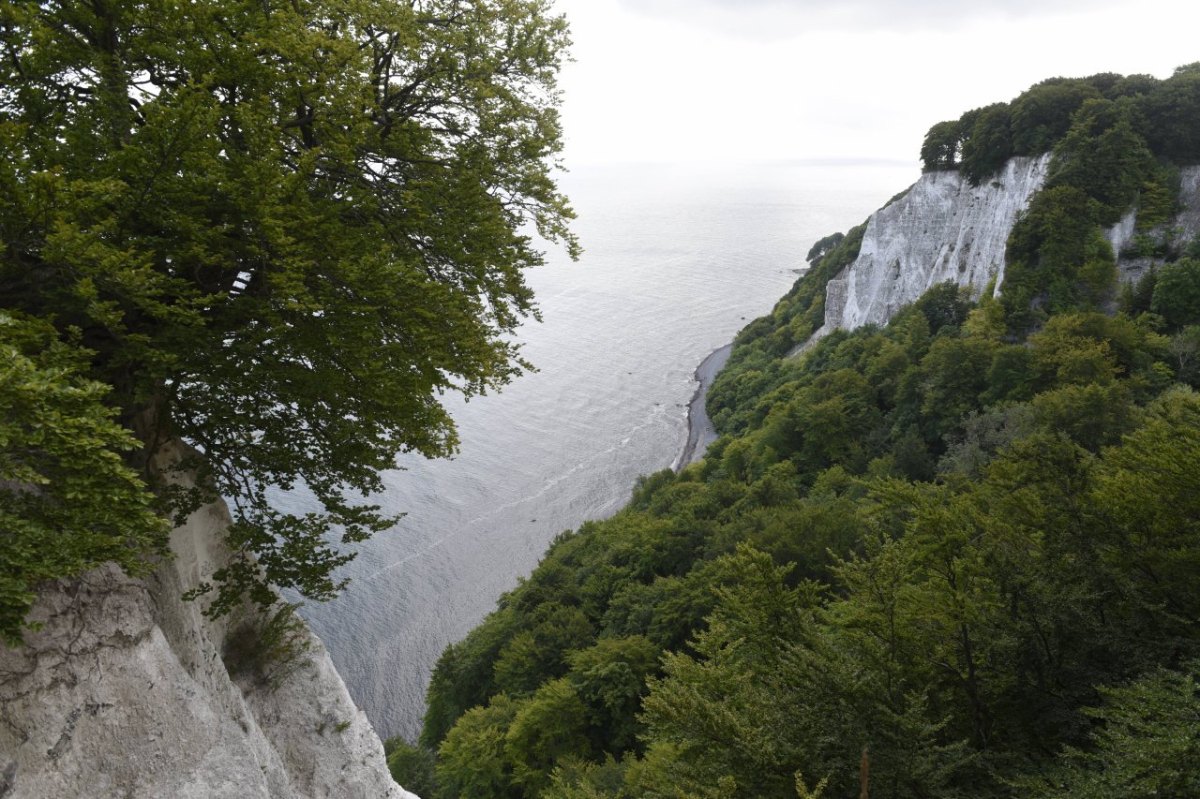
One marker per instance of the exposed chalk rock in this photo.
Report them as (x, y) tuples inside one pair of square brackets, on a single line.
[(945, 229), (941, 229), (1179, 232), (1121, 234), (126, 692), (1187, 223)]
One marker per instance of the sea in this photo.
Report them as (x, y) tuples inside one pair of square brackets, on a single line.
[(677, 259)]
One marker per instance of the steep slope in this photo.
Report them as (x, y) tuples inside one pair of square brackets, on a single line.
[(1184, 227), (942, 229), (945, 229), (129, 691)]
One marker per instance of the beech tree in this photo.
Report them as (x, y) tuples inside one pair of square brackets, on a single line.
[(942, 146), (278, 231), (61, 469)]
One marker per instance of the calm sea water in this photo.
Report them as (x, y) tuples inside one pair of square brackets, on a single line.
[(677, 260)]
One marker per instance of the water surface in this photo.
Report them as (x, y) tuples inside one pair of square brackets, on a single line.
[(677, 260)]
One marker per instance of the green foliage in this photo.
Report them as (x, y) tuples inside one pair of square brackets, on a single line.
[(1148, 487), (1058, 258), (411, 766), (472, 760), (1136, 297), (989, 145), (1171, 113), (536, 654), (933, 547), (942, 147), (1157, 199), (547, 728), (462, 678), (1185, 350), (282, 230), (823, 247), (581, 780), (68, 501), (714, 711), (1042, 114), (754, 368), (803, 792), (1103, 155), (267, 647), (1158, 118), (610, 677), (1146, 745), (944, 305), (1176, 293)]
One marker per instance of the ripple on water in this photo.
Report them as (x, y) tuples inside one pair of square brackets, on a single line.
[(676, 261)]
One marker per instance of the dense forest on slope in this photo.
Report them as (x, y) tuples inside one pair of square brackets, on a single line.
[(952, 556)]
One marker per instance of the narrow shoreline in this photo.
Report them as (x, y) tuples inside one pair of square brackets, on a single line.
[(701, 432)]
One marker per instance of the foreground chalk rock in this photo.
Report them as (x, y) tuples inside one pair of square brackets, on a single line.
[(129, 691)]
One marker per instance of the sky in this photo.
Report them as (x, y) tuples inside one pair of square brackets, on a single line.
[(729, 81)]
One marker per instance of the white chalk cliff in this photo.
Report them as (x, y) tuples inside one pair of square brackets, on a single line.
[(128, 691), (945, 229), (942, 229)]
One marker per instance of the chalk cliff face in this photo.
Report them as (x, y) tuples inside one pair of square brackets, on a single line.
[(945, 229), (128, 691), (942, 229), (1187, 223)]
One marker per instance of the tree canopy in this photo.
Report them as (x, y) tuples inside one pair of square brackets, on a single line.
[(279, 231), (1162, 112)]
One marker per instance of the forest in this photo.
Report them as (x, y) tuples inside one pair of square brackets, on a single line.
[(953, 556)]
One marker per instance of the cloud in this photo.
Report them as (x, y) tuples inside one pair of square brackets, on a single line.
[(779, 19)]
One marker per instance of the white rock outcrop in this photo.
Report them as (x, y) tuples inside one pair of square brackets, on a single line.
[(1186, 226), (941, 229), (1181, 230), (945, 229), (127, 692)]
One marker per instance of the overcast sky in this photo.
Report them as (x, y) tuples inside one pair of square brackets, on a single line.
[(736, 80)]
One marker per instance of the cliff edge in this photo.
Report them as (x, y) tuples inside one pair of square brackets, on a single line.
[(129, 691), (945, 229), (942, 229)]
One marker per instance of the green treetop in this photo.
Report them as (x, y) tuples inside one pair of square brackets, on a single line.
[(279, 230)]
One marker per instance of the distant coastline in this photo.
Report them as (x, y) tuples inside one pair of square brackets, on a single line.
[(701, 432)]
